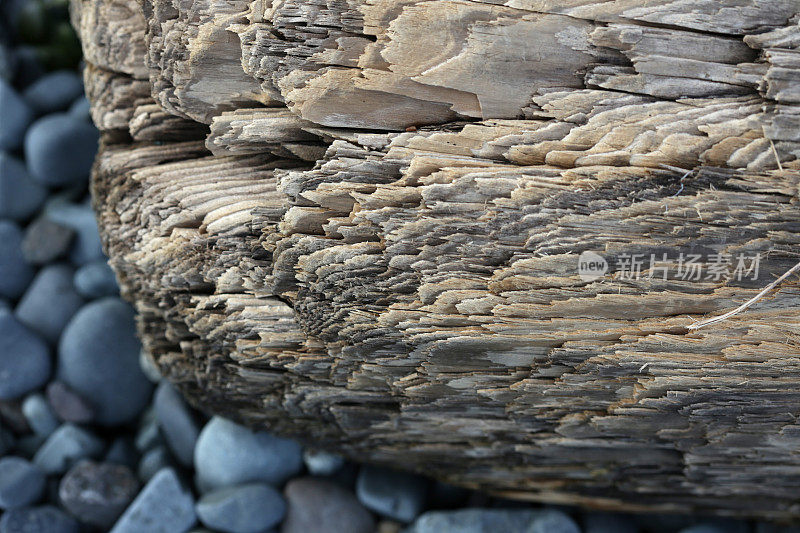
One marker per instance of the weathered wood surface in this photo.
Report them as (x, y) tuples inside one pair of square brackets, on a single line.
[(358, 223)]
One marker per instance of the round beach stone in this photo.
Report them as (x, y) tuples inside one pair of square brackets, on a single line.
[(54, 91), (95, 280), (79, 218), (15, 272), (60, 149), (68, 405), (177, 423), (152, 462), (228, 454), (40, 416), (80, 108), (66, 446), (49, 302), (42, 519), (163, 506), (250, 508), (45, 241), (553, 521), (15, 117), (393, 494), (98, 358), (24, 359), (20, 196), (97, 493), (21, 483), (316, 504)]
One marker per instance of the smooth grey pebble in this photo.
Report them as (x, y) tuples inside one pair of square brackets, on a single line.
[(68, 405), (15, 117), (45, 241), (42, 519), (97, 493), (40, 416), (95, 280), (390, 493), (80, 108), (60, 150), (66, 446), (316, 503), (54, 91), (177, 422), (49, 302), (163, 506), (21, 483), (24, 358), (228, 454), (322, 463), (20, 196), (98, 358), (249, 508), (15, 272), (152, 462)]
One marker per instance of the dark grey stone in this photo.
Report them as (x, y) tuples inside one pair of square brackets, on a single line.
[(396, 495), (54, 91), (49, 302), (80, 108), (43, 519), (40, 416), (152, 462), (163, 506), (15, 272), (45, 241), (98, 358), (608, 523), (322, 463), (68, 405), (249, 508), (24, 359), (228, 454), (177, 422), (21, 483), (15, 117), (320, 505), (96, 280), (122, 452), (475, 520), (66, 446), (97, 493), (20, 196), (80, 218), (60, 149)]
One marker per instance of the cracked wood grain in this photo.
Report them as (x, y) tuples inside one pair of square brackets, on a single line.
[(359, 222)]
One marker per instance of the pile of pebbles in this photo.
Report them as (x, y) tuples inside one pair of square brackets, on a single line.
[(91, 438)]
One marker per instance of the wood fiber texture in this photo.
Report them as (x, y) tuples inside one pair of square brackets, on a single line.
[(359, 222)]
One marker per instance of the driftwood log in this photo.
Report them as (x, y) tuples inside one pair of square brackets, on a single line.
[(359, 223)]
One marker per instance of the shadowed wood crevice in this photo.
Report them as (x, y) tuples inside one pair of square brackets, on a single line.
[(360, 223)]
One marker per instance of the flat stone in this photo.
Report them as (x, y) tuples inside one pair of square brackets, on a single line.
[(95, 280), (228, 454), (68, 405), (45, 241), (163, 506), (49, 302), (249, 508), (43, 519), (396, 495), (21, 483), (60, 150), (97, 493), (475, 520), (80, 108), (316, 504), (65, 447), (15, 117), (17, 273), (40, 416), (20, 196), (149, 434), (24, 359), (177, 422), (54, 91), (98, 358)]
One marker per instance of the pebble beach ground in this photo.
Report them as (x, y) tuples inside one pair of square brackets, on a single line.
[(91, 439)]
